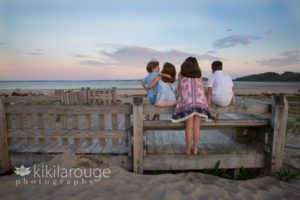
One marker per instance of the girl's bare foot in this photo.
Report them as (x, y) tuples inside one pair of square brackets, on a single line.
[(187, 151), (195, 150)]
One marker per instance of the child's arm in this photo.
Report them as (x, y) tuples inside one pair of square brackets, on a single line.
[(209, 91), (210, 84), (153, 83), (166, 75), (144, 85)]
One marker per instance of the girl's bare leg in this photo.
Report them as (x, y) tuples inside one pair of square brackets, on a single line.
[(196, 128), (233, 100), (188, 135)]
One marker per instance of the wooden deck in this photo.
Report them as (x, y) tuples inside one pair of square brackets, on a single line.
[(157, 142), (120, 130)]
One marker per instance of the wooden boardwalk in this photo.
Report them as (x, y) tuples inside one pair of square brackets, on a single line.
[(157, 142), (211, 142), (249, 135)]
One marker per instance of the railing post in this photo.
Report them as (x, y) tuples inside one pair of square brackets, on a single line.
[(278, 134), (138, 133), (5, 164), (114, 94)]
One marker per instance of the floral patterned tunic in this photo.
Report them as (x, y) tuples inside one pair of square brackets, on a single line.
[(191, 99)]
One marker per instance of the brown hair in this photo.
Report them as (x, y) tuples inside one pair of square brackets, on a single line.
[(190, 68), (216, 65), (168, 68), (151, 65)]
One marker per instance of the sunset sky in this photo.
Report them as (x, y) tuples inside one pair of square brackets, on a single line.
[(109, 39)]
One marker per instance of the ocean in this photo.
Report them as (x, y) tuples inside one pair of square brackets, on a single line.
[(118, 84)]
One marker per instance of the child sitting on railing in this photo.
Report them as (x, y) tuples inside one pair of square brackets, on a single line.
[(150, 83), (219, 89), (165, 91)]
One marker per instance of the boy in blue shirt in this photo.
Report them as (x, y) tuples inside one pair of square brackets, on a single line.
[(153, 70), (150, 83)]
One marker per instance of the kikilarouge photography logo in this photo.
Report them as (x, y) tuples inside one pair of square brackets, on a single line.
[(57, 175)]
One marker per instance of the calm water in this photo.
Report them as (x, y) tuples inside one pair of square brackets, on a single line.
[(118, 84)]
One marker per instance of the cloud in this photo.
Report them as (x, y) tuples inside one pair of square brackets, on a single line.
[(3, 43), (34, 53), (137, 56), (271, 31), (285, 59), (234, 40), (79, 56), (37, 52), (96, 63), (211, 52)]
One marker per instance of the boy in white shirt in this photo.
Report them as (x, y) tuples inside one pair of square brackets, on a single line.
[(220, 85)]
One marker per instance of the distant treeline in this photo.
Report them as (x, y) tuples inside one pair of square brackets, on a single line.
[(272, 76)]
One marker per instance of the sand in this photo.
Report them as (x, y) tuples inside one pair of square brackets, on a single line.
[(123, 184)]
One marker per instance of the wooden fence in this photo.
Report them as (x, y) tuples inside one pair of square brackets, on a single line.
[(31, 124), (87, 96), (38, 124)]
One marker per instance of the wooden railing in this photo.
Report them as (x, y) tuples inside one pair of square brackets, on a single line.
[(268, 133), (31, 124), (28, 124)]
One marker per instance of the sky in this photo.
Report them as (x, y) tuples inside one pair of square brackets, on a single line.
[(110, 39)]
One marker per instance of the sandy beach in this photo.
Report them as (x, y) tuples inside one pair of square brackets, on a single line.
[(123, 184), (126, 185)]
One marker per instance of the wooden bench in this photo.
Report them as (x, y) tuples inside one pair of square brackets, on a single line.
[(266, 134)]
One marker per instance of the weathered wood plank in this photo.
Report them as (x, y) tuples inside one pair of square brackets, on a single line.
[(88, 122), (138, 135), (219, 124), (114, 125), (32, 99), (277, 140), (64, 121), (52, 125), (127, 125), (19, 120), (159, 146), (150, 145), (75, 121), (114, 95), (4, 156), (101, 123), (52, 122), (107, 148), (108, 134), (203, 161), (40, 120), (9, 120), (177, 148), (242, 108), (75, 126), (166, 142), (70, 109)]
